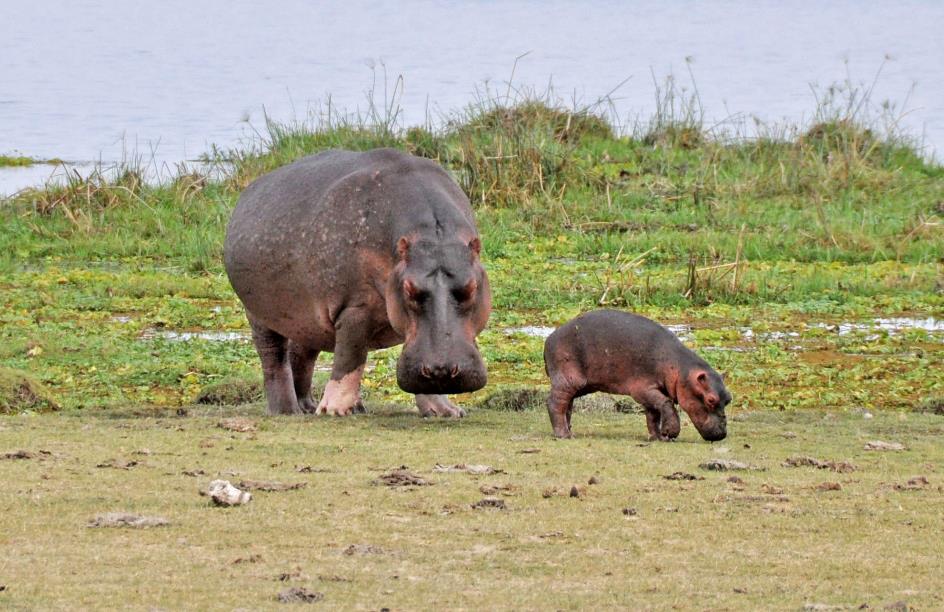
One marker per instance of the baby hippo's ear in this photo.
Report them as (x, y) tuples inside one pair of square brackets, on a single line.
[(701, 385)]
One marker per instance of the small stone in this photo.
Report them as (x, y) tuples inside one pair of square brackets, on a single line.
[(574, 492), (629, 512), (593, 480)]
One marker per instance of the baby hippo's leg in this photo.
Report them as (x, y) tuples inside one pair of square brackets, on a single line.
[(662, 419), (560, 404)]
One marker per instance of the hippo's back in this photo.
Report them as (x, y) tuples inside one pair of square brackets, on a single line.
[(319, 233)]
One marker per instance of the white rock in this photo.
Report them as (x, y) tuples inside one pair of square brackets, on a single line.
[(223, 493)]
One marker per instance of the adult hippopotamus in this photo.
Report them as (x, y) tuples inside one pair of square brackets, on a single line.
[(349, 252), (624, 353)]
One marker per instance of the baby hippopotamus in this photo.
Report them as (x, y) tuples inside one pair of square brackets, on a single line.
[(623, 353)]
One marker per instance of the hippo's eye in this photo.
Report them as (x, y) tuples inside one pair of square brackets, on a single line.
[(464, 293), (414, 293), (419, 296)]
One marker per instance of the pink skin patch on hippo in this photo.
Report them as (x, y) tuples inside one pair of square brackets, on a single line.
[(437, 405), (341, 397)]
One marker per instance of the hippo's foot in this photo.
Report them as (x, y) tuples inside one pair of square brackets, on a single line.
[(342, 397), (564, 434), (307, 406), (438, 405), (661, 438)]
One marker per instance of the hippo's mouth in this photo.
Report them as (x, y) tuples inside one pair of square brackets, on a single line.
[(417, 382), (716, 431)]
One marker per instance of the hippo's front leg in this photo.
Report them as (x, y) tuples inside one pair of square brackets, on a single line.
[(662, 418), (342, 394), (437, 405)]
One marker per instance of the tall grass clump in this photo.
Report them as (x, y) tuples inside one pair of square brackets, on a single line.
[(522, 151)]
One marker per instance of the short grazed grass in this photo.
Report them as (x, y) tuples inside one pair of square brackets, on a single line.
[(632, 540)]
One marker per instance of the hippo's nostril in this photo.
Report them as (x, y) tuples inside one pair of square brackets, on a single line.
[(454, 372), (425, 372)]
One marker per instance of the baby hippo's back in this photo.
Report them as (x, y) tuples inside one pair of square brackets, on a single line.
[(597, 348)]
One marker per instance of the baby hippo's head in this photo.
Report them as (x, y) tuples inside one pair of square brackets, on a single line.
[(702, 396)]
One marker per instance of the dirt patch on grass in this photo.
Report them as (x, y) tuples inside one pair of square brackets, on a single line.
[(267, 485), (20, 392), (723, 465), (932, 405), (836, 466), (683, 476), (401, 477), (489, 503), (238, 424), (297, 595), (467, 468), (232, 391), (516, 399), (123, 519)]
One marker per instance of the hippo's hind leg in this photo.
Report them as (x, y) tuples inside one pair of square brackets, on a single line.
[(303, 366), (342, 394), (662, 419), (437, 405), (276, 369), (560, 405)]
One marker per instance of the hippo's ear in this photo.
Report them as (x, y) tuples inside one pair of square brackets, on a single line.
[(699, 381), (475, 245), (702, 387), (403, 248)]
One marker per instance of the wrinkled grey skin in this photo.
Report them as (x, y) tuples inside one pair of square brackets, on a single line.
[(349, 252), (623, 353)]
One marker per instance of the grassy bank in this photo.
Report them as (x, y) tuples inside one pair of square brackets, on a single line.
[(749, 239)]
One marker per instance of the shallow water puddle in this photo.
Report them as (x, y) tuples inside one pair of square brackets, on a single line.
[(186, 336), (686, 333)]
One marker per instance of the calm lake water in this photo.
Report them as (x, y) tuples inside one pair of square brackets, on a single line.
[(101, 80)]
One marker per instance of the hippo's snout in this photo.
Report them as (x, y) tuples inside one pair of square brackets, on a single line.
[(439, 371), (426, 375), (716, 430), (715, 435)]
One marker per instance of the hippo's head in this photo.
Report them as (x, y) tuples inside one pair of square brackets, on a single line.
[(703, 396), (438, 300)]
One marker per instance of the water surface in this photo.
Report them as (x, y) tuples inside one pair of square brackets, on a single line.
[(105, 80)]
